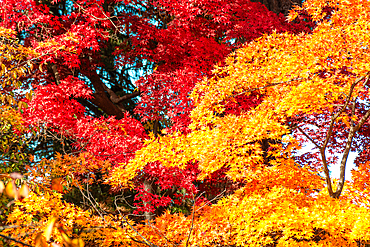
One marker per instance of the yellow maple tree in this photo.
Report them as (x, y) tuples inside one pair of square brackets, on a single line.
[(314, 89)]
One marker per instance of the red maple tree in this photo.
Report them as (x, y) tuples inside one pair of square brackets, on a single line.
[(110, 72)]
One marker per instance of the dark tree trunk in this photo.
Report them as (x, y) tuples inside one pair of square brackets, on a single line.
[(279, 6), (149, 189)]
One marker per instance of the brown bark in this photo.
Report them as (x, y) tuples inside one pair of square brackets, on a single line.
[(148, 188), (279, 6), (115, 99), (352, 131), (100, 98), (265, 146)]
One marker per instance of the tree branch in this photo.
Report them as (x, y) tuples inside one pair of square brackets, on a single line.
[(343, 162), (323, 157), (348, 144), (349, 96), (115, 99), (362, 120), (2, 228), (351, 134), (100, 98), (308, 137), (268, 85), (56, 73), (91, 107), (192, 223), (15, 240)]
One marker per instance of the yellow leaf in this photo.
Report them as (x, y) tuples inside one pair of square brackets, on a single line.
[(40, 240), (66, 239), (77, 243), (49, 227)]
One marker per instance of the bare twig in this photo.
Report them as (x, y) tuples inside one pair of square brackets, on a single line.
[(122, 198), (210, 201), (308, 137), (192, 223), (160, 234), (92, 204), (148, 243)]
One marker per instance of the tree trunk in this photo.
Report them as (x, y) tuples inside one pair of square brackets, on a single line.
[(147, 188), (279, 6)]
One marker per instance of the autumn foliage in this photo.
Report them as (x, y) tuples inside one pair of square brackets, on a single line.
[(184, 123)]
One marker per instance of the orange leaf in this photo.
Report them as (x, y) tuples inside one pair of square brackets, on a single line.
[(11, 190), (77, 243), (56, 184), (24, 191), (66, 239)]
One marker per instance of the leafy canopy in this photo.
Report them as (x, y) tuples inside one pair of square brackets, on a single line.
[(181, 123)]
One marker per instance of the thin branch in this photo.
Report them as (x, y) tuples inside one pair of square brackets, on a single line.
[(123, 198), (92, 228), (92, 204), (192, 223), (351, 134), (343, 162), (349, 140), (308, 137), (15, 240), (210, 201), (29, 60), (367, 114), (160, 234), (266, 86), (147, 242), (109, 18), (133, 228), (2, 228), (349, 96)]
